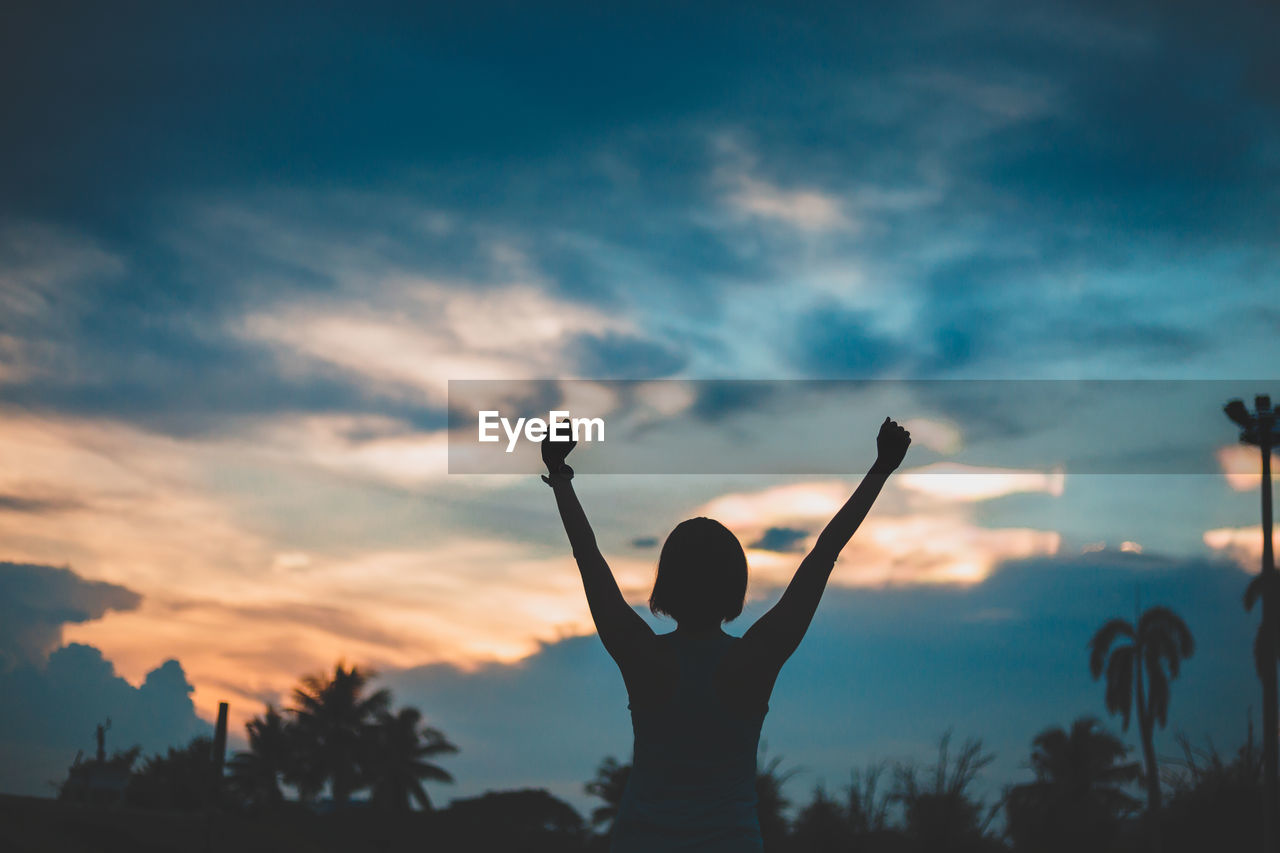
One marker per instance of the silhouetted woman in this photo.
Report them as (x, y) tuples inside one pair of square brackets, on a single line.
[(698, 695)]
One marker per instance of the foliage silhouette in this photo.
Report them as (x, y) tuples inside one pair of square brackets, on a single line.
[(332, 719), (255, 775), (1077, 801), (867, 806), (1266, 643), (1159, 638), (528, 820), (99, 780), (771, 804), (180, 780), (1215, 804), (609, 783), (938, 812), (400, 759), (821, 825), (340, 734), (611, 779)]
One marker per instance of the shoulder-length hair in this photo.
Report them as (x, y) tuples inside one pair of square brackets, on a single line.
[(702, 574)]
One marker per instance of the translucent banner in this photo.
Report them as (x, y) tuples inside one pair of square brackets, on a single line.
[(814, 427)]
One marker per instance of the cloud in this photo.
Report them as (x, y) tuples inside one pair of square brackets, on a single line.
[(780, 539), (56, 694), (36, 601), (970, 482), (1242, 466), (424, 333), (806, 209), (617, 356), (904, 542), (230, 307), (54, 707), (38, 505), (835, 341), (1242, 544)]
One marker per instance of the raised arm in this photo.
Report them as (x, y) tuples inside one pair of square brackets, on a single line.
[(772, 639), (627, 637)]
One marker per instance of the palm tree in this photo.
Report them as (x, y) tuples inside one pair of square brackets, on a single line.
[(1077, 799), (256, 774), (1135, 674), (400, 760), (332, 718)]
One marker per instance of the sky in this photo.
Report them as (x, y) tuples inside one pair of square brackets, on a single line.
[(245, 249)]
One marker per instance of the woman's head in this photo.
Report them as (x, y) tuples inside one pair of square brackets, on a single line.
[(702, 574)]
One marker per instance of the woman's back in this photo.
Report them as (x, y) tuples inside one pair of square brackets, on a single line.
[(698, 698), (693, 776)]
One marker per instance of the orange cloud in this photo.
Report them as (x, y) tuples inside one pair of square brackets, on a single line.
[(1242, 544), (272, 553), (897, 544), (968, 482), (1242, 466)]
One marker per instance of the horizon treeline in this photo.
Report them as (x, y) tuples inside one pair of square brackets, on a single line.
[(341, 738)]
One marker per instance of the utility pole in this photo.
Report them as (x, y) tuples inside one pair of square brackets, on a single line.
[(1259, 429), (217, 757)]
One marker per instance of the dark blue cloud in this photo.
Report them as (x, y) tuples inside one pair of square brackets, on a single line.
[(55, 696), (717, 400), (834, 341), (37, 505), (52, 709), (782, 539), (36, 601), (1048, 141), (617, 356)]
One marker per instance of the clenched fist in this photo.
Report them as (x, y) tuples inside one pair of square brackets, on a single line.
[(892, 444)]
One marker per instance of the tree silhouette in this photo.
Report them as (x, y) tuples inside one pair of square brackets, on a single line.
[(608, 785), (179, 780), (1135, 672), (938, 812), (528, 820), (867, 807), (821, 825), (255, 774), (1215, 802), (99, 779), (332, 718), (1077, 799), (611, 781), (400, 759), (771, 805)]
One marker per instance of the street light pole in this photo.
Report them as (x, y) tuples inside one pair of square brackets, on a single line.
[(1259, 428)]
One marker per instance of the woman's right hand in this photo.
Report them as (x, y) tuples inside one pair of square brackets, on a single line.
[(892, 444)]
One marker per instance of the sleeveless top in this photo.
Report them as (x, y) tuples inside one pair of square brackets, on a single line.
[(693, 775)]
